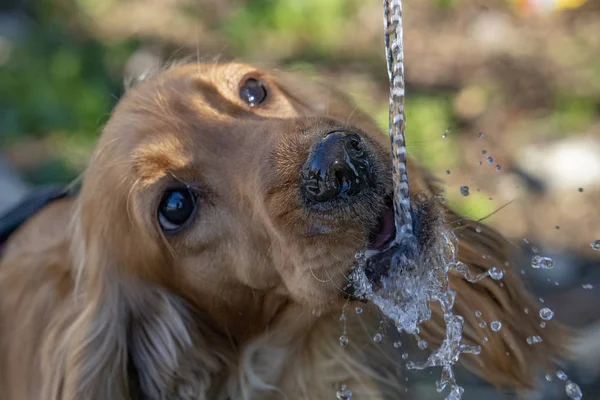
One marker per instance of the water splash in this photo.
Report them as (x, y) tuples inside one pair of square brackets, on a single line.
[(414, 280), (377, 338), (538, 261), (495, 326), (404, 296), (573, 391), (571, 388), (546, 314), (534, 339), (344, 338)]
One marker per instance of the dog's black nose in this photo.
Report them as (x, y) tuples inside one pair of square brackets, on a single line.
[(337, 167)]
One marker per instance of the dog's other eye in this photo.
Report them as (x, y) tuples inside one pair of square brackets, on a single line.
[(253, 92), (176, 207)]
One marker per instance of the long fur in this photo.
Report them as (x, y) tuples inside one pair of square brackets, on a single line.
[(97, 303)]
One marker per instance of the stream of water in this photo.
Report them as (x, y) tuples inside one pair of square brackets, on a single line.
[(415, 280)]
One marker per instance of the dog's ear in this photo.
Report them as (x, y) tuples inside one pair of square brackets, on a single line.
[(86, 354), (174, 354), (525, 344), (127, 338)]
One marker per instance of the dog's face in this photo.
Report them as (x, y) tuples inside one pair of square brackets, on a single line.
[(228, 183), (222, 205)]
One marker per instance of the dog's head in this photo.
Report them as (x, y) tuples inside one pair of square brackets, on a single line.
[(231, 182), (242, 191)]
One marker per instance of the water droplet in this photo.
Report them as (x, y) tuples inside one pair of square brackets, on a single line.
[(533, 340), (397, 344), (538, 261), (561, 375), (542, 324), (480, 135), (548, 377), (587, 286), (478, 229), (344, 340), (482, 325), (447, 172), (422, 344), (464, 190), (484, 340), (343, 393), (377, 338), (489, 159), (595, 245), (316, 313), (498, 167), (495, 325), (404, 356), (478, 314), (358, 310), (573, 391), (496, 273), (483, 152), (526, 310), (546, 314)]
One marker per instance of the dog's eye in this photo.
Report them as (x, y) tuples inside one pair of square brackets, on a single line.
[(175, 208), (253, 92)]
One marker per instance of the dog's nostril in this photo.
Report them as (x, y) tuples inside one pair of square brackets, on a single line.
[(355, 147), (336, 167)]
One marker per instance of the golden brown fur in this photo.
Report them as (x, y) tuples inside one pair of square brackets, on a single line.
[(97, 303)]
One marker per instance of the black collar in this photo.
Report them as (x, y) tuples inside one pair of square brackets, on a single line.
[(33, 202)]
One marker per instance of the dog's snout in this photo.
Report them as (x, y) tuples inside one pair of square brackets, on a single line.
[(337, 167)]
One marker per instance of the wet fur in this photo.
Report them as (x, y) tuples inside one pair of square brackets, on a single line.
[(95, 303)]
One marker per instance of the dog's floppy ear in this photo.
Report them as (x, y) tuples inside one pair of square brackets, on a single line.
[(525, 344), (126, 338)]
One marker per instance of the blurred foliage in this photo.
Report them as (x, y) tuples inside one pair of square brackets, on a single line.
[(310, 21), (62, 84)]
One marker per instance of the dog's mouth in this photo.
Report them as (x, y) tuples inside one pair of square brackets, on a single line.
[(384, 233), (383, 253)]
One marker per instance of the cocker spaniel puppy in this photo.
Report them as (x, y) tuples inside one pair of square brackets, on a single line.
[(207, 254)]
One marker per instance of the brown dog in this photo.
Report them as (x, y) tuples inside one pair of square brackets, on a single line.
[(207, 253)]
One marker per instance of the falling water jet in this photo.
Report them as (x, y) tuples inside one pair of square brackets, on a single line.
[(413, 280)]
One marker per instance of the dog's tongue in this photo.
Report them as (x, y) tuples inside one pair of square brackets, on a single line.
[(385, 232)]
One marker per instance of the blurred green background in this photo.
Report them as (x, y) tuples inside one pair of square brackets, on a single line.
[(526, 82)]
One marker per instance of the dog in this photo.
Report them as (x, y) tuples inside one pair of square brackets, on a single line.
[(207, 253)]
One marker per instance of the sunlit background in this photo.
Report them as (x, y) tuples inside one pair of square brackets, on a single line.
[(503, 96)]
